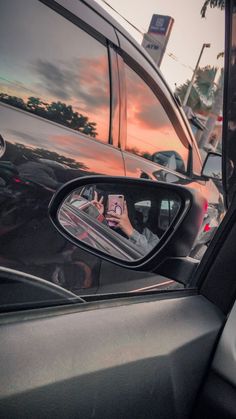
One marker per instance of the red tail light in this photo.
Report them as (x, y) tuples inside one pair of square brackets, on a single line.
[(17, 180), (207, 228)]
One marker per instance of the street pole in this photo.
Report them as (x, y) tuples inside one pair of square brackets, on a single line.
[(194, 74)]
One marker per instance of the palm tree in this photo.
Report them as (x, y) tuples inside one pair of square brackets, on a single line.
[(212, 3), (202, 93)]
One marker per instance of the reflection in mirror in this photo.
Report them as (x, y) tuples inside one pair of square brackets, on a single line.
[(125, 221), (170, 159), (213, 166)]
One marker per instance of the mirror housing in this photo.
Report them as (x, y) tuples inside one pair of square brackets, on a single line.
[(212, 167), (177, 240)]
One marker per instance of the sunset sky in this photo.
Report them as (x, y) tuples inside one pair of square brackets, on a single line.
[(189, 32)]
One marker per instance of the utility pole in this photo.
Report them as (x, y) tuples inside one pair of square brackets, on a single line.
[(194, 74)]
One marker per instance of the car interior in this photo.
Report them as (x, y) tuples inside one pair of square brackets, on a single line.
[(160, 354)]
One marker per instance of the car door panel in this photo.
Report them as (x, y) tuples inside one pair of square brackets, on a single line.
[(139, 167), (119, 360), (49, 137), (221, 379), (25, 229)]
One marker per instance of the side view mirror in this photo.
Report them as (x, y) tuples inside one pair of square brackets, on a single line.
[(135, 223), (170, 159), (212, 167)]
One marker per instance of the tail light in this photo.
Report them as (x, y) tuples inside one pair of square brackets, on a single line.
[(18, 180), (207, 228)]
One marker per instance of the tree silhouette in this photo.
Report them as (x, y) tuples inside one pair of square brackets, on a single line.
[(135, 150), (58, 112), (212, 3), (34, 103)]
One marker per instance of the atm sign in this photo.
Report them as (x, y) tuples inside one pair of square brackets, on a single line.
[(159, 24)]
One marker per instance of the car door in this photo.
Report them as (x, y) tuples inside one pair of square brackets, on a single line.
[(58, 107)]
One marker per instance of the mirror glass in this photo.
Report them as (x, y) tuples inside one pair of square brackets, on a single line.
[(170, 159), (213, 166), (125, 221)]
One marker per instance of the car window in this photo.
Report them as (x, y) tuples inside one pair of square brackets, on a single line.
[(150, 133), (55, 70)]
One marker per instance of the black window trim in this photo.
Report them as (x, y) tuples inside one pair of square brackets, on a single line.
[(76, 20), (195, 156), (114, 139)]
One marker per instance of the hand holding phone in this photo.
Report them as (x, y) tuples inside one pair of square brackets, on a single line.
[(121, 220), (115, 205)]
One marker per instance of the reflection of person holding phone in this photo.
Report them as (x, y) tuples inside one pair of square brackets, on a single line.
[(146, 240), (118, 218), (121, 220), (115, 205)]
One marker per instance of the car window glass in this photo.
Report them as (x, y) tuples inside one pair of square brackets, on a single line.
[(55, 70), (150, 133)]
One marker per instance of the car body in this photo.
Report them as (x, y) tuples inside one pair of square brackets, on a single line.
[(67, 110), (162, 354)]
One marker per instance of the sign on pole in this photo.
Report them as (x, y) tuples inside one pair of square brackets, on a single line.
[(157, 37)]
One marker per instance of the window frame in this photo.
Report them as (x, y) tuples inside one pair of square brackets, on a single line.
[(115, 98), (197, 163)]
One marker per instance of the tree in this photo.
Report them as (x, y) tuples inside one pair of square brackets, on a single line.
[(202, 93), (34, 103), (58, 112)]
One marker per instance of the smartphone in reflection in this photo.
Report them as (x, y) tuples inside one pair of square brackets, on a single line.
[(115, 204)]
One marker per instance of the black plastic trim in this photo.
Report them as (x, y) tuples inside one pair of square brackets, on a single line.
[(217, 400)]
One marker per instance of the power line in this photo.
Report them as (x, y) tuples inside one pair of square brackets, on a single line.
[(170, 54)]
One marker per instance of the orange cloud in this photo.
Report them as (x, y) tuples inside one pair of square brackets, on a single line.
[(149, 129)]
